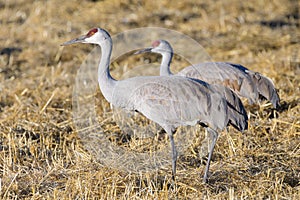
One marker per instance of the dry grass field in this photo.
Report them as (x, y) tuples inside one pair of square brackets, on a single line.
[(41, 155)]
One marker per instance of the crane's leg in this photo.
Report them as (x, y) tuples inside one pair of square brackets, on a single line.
[(214, 135), (174, 156)]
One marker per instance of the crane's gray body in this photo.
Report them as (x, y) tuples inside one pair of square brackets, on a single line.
[(223, 73), (167, 101), (246, 83)]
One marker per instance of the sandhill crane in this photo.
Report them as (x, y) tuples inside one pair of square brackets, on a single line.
[(246, 83), (170, 101)]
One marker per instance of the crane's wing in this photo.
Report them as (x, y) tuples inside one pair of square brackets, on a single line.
[(225, 74), (172, 101)]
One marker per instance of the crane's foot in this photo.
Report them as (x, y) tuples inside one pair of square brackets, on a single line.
[(173, 185), (173, 177), (205, 179)]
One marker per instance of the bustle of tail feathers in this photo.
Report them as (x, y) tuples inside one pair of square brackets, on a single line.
[(237, 115), (266, 88), (265, 85), (219, 113)]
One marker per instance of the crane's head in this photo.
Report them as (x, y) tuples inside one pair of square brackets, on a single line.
[(158, 46), (94, 36)]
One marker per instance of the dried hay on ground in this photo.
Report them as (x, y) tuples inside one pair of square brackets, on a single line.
[(41, 155)]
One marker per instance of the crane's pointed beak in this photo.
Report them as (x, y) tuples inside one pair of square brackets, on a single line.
[(80, 39), (143, 50)]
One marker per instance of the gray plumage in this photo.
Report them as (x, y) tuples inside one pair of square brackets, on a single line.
[(167, 100), (244, 82)]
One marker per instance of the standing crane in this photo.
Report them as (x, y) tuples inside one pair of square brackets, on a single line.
[(170, 101), (246, 83)]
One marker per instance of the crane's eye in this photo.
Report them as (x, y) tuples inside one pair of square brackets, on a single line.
[(92, 32), (155, 43)]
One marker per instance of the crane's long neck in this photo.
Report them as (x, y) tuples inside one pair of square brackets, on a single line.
[(106, 82), (165, 64)]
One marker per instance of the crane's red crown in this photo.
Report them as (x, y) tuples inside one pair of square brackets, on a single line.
[(155, 43), (92, 32)]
